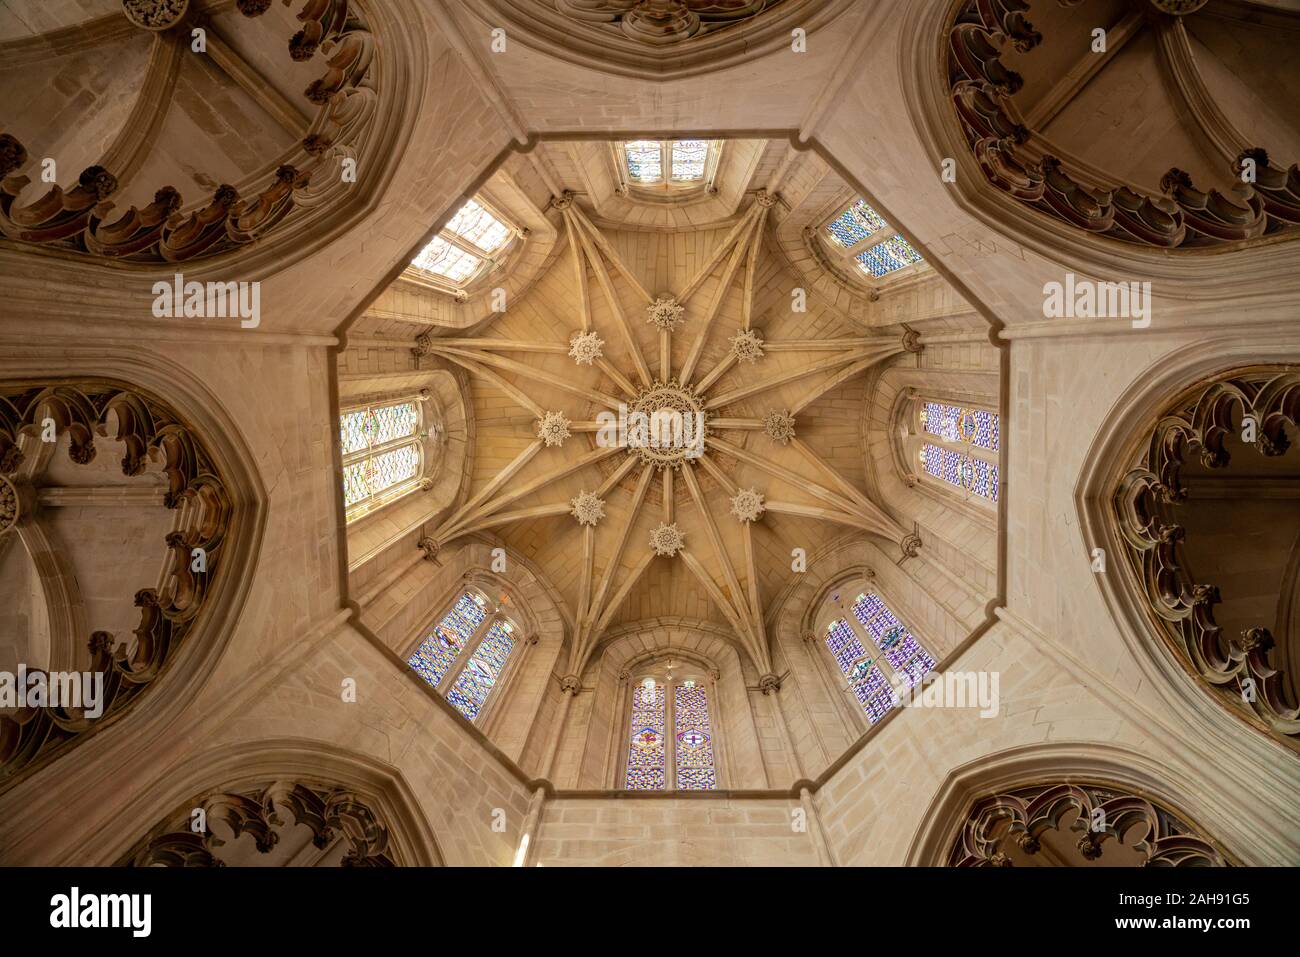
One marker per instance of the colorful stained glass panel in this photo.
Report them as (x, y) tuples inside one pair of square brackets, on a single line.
[(694, 740), (963, 471), (366, 428), (855, 224), (481, 673), (888, 256), (376, 474), (910, 661), (647, 762), (439, 651), (957, 424)]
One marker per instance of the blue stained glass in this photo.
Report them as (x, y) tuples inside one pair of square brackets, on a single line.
[(888, 256), (439, 651), (844, 644), (955, 424), (479, 676), (901, 649), (875, 695), (963, 471), (855, 224)]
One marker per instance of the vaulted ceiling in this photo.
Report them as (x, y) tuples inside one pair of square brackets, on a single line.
[(693, 304)]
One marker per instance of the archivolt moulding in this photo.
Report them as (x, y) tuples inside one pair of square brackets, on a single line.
[(1237, 668), (206, 615), (150, 431), (1133, 421), (989, 187), (1035, 786), (307, 197), (661, 40), (333, 791)]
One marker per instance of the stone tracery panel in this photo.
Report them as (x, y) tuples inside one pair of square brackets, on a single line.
[(1019, 822), (345, 830), (150, 433), (82, 219), (1261, 406), (1018, 161)]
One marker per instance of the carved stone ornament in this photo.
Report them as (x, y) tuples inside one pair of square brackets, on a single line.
[(667, 540), (10, 512), (911, 545), (1159, 835), (779, 426), (585, 348), (150, 433), (665, 312), (1240, 673), (570, 684), (662, 22), (769, 684), (332, 814), (84, 220), (155, 14), (430, 548), (747, 504), (1178, 8), (746, 346), (587, 508), (553, 428), (1014, 159)]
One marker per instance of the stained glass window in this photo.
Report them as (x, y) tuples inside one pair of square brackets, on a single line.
[(694, 739), (480, 227), (444, 259), (480, 674), (868, 682), (377, 425), (460, 250), (378, 473), (380, 450), (858, 230), (855, 224), (960, 470), (957, 424), (644, 161), (888, 256), (688, 160), (440, 650), (647, 757), (667, 163), (910, 661)]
